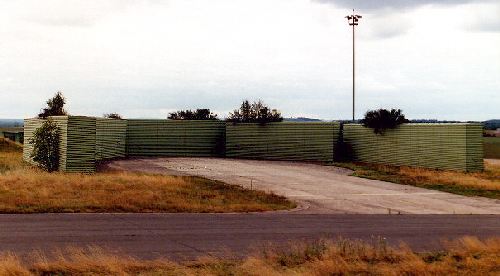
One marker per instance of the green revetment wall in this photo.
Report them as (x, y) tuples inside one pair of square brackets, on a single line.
[(440, 146), (175, 138), (30, 125), (81, 144), (111, 138), (282, 141), (86, 140), (83, 141)]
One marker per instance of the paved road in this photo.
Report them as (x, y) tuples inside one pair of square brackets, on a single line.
[(185, 236), (319, 189)]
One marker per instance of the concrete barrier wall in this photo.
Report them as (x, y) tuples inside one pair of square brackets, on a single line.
[(440, 146), (175, 138), (282, 141)]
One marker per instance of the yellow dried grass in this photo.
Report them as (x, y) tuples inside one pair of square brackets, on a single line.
[(28, 190), (465, 256), (485, 183)]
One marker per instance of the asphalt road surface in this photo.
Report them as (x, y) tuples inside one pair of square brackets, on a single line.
[(318, 189), (187, 236)]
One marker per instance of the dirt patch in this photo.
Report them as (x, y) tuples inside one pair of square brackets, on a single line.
[(493, 161)]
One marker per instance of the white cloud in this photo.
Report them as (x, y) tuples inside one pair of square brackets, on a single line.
[(483, 18), (396, 4), (146, 58)]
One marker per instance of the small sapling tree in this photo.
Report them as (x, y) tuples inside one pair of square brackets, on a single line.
[(382, 119), (45, 143), (55, 106), (112, 116)]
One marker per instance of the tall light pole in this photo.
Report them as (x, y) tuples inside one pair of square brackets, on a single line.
[(353, 21)]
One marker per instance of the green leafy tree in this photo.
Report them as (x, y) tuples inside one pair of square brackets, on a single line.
[(256, 112), (382, 119), (113, 116), (55, 106), (198, 114), (45, 143)]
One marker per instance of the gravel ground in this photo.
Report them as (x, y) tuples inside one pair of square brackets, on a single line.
[(316, 188)]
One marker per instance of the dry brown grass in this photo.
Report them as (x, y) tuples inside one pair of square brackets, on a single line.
[(28, 190), (10, 155), (489, 179), (466, 256), (486, 183), (491, 147)]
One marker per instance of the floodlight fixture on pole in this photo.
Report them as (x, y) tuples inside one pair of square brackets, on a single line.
[(353, 21)]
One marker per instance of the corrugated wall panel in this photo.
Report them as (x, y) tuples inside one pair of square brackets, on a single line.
[(441, 146), (111, 135), (30, 125), (85, 140), (475, 152), (175, 138), (81, 144), (282, 141)]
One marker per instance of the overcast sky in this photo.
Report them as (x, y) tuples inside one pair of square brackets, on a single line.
[(144, 59)]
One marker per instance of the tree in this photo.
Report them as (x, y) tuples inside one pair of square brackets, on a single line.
[(55, 106), (198, 114), (383, 119), (256, 112), (45, 143), (112, 116)]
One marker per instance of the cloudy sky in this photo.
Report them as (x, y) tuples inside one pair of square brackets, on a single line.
[(144, 59)]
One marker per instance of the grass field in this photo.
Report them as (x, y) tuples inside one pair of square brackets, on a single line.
[(466, 256), (11, 129), (491, 147), (27, 190), (486, 183)]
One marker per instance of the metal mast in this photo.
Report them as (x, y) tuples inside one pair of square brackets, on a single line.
[(353, 21)]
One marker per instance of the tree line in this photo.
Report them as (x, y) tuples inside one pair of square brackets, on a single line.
[(248, 112)]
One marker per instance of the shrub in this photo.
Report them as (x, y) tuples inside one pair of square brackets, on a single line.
[(256, 112), (112, 116), (198, 114), (383, 119), (55, 106), (45, 143)]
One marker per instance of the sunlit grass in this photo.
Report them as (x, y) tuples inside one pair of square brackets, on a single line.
[(465, 256), (486, 183), (10, 156), (28, 190)]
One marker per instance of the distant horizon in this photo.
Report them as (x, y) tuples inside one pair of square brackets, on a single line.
[(285, 118)]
